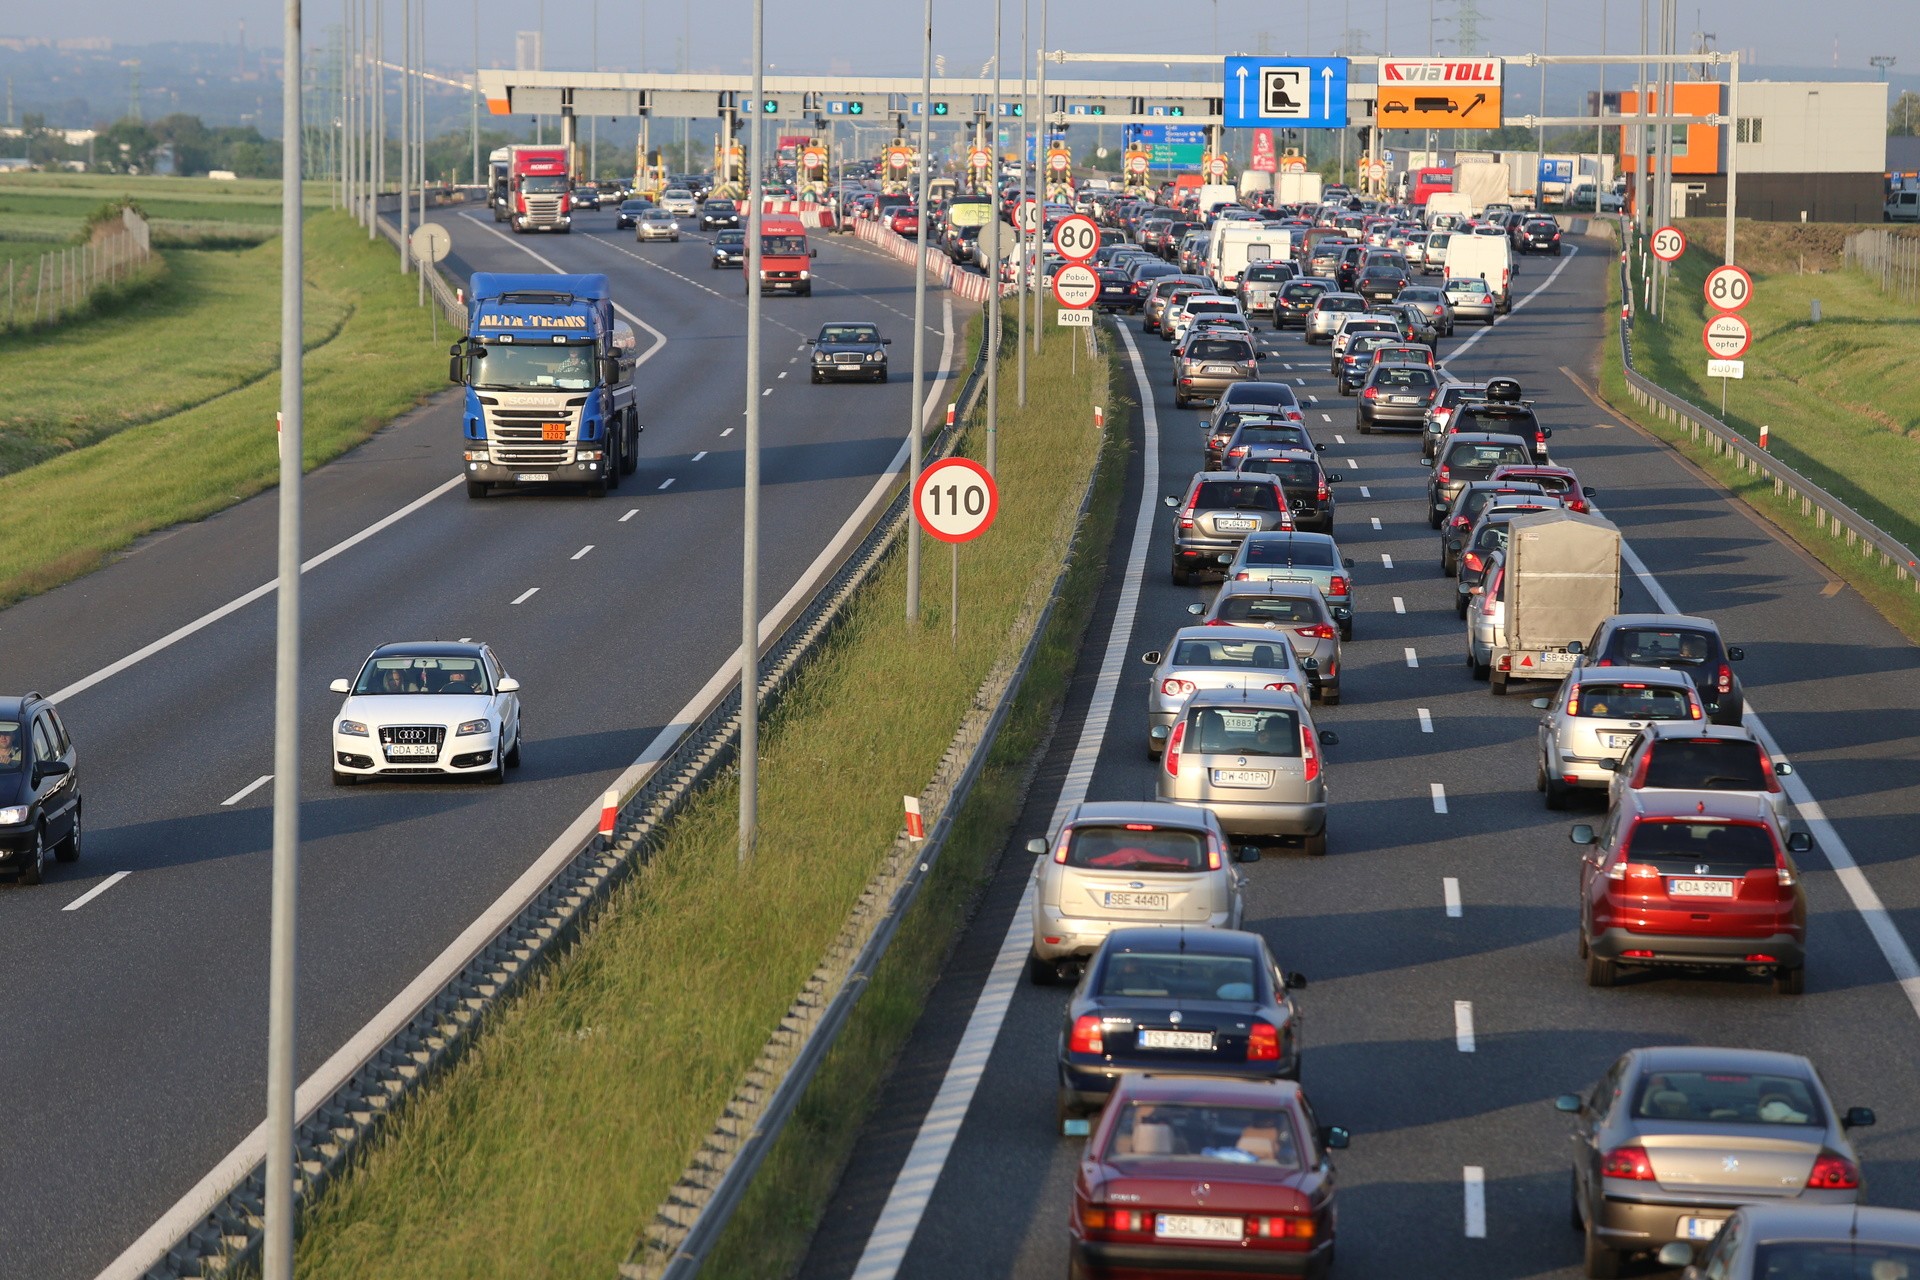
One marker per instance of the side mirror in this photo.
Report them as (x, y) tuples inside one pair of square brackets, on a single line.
[(1582, 833), (1546, 433), (609, 369), (1076, 1127), (1310, 664), (1541, 704), (1735, 653), (1569, 1103), (1782, 769), (52, 768), (1295, 981), (509, 685), (1675, 1253), (1858, 1118), (1171, 501), (1160, 733), (1348, 562), (1151, 657), (813, 253), (1428, 462), (1037, 847), (1247, 853), (340, 686), (1334, 477), (456, 369), (1610, 765), (1576, 647), (1799, 842), (1196, 609), (1334, 1138), (1342, 613), (886, 342), (1223, 558), (1328, 738)]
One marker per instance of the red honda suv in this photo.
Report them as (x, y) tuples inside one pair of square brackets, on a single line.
[(1692, 878)]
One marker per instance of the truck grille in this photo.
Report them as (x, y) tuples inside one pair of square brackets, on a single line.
[(516, 436), (543, 209)]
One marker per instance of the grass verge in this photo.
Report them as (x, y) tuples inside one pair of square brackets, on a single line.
[(200, 400), (1662, 356), (553, 1140)]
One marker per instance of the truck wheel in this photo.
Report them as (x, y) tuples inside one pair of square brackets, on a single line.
[(476, 488), (630, 459), (597, 487)]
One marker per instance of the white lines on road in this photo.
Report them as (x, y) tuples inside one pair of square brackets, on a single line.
[(1365, 492), (699, 455), (729, 430), (666, 482), (1337, 437), (1474, 1181), (526, 595), (1450, 894), (1315, 402), (1553, 275), (1463, 1026), (1439, 796), (783, 373), (1386, 561), (1352, 463), (767, 391), (1300, 381), (1326, 417), (1413, 659), (1399, 605), (630, 515), (1426, 719), (1376, 522), (96, 891), (247, 790), (581, 554)]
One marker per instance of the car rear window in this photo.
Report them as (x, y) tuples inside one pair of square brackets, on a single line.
[(1467, 286), (1519, 422), (1178, 976), (1454, 393), (1632, 701), (1662, 646), (1479, 460), (1295, 477), (1328, 303), (1291, 551), (1706, 764), (1297, 291), (1255, 655), (1729, 1097), (1252, 731), (1252, 433), (1212, 308), (1203, 1135), (1215, 349), (1682, 847), (1399, 377), (1236, 495), (1477, 499), (1838, 1260), (1293, 610), (1137, 846)]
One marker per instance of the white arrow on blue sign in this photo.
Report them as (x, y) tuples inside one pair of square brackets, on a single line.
[(1292, 93)]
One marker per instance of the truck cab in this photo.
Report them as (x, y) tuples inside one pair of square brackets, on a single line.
[(548, 373), (542, 192), (786, 264)]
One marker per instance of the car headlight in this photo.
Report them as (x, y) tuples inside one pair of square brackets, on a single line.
[(821, 357), (803, 274), (13, 815), (876, 355), (471, 727), (673, 226), (352, 728)]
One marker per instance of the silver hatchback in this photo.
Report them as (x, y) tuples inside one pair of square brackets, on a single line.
[(1117, 864), (1596, 716), (1299, 557), (1211, 658), (1296, 610), (1252, 758)]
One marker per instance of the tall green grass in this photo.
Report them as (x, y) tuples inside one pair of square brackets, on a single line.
[(552, 1142)]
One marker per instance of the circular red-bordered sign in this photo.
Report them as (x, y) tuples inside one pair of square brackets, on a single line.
[(1727, 336), (1076, 286), (1669, 243), (1728, 288), (1076, 238), (955, 500)]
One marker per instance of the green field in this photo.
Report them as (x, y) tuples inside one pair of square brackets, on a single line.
[(553, 1140), (41, 211)]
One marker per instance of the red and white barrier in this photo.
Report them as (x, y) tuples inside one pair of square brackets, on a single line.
[(812, 215), (609, 815), (964, 284)]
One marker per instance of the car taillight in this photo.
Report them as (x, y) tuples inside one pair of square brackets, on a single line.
[(1459, 522), (1174, 687), (1833, 1173), (1540, 438), (1130, 1220), (1474, 562), (1726, 678), (1086, 1037), (1628, 1162), (1263, 1043), (1573, 702), (1490, 594), (1441, 415), (1243, 576), (1624, 870), (1281, 1227), (1282, 686), (1371, 393), (1186, 518), (1320, 491), (1172, 760), (1309, 753), (1318, 631), (1336, 585), (1766, 767), (1444, 472), (1783, 872), (1295, 415)]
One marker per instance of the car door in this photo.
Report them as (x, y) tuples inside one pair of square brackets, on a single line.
[(55, 791), (506, 705)]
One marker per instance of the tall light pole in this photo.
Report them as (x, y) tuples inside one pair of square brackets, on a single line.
[(1021, 277), (277, 1260), (916, 447), (1540, 131), (379, 139), (1042, 144), (750, 520), (593, 121), (994, 315)]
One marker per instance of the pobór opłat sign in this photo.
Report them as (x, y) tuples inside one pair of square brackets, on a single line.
[(1439, 93)]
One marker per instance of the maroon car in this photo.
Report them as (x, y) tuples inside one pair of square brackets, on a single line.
[(1198, 1176)]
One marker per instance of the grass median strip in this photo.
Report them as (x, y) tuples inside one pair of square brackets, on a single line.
[(592, 1089)]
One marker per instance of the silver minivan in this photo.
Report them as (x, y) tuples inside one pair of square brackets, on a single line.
[(1212, 658), (1253, 759)]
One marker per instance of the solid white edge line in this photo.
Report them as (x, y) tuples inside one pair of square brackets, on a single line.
[(899, 1219), (1473, 1180), (1439, 793), (1426, 720), (1463, 1025), (96, 891), (1450, 894), (1553, 275), (146, 1251), (247, 790)]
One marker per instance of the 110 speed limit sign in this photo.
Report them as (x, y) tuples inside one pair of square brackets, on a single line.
[(955, 500), (1728, 288), (1076, 238)]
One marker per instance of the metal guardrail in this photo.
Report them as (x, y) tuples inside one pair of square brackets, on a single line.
[(695, 1214), (1828, 513), (227, 1238)]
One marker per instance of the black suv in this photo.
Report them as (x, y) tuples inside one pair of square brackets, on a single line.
[(1306, 485), (1511, 417), (39, 788), (1678, 642)]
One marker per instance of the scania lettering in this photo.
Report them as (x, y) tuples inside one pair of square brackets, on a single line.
[(542, 189), (549, 378), (786, 263)]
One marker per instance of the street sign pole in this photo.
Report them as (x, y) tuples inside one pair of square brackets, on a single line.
[(1045, 144), (993, 250), (916, 419), (750, 520), (1020, 237)]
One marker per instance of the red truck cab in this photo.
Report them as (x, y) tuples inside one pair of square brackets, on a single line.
[(542, 190)]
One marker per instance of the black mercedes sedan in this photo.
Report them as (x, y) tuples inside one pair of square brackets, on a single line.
[(850, 350)]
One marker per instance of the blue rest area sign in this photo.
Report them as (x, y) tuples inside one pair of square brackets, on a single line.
[(1273, 90)]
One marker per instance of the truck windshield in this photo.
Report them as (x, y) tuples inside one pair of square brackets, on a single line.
[(567, 366), (534, 184), (783, 246)]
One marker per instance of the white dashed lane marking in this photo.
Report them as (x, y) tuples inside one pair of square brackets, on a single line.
[(247, 790), (526, 595), (1413, 659), (1439, 797), (1450, 894), (1365, 492), (96, 891), (1474, 1181), (664, 483), (729, 430), (1386, 561), (1376, 522), (1463, 1025), (699, 455), (581, 554), (1399, 605), (1426, 719)]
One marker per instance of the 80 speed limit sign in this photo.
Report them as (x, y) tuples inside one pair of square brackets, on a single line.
[(955, 500), (1076, 238), (1728, 288)]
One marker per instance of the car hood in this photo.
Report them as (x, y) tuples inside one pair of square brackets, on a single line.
[(417, 708)]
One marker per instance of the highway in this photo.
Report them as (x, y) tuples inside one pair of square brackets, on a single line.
[(136, 1012), (1446, 1006)]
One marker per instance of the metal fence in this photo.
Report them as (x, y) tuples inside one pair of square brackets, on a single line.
[(63, 281), (1813, 503), (1890, 257)]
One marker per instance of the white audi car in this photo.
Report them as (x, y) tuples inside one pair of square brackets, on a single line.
[(427, 708)]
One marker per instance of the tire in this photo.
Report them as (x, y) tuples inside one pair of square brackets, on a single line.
[(597, 488), (498, 774), (1558, 793), (1460, 604), (807, 292), (1575, 1218), (880, 376), (1602, 1263), (513, 754), (343, 779), (1481, 670), (1600, 973), (1316, 844), (1346, 631), (630, 460), (1497, 683), (1330, 697), (817, 379), (1433, 517), (1366, 427), (1182, 577), (1447, 567), (68, 850), (476, 488), (34, 869), (1041, 973), (616, 465), (1790, 982), (1540, 777)]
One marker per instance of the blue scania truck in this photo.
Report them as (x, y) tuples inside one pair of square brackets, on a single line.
[(548, 370)]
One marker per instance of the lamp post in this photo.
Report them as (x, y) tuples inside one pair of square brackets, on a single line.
[(916, 447), (750, 520)]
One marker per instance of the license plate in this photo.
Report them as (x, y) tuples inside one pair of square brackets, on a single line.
[(553, 431), (1176, 1039), (1700, 888), (1555, 658), (1401, 400), (1185, 1226), (1224, 524), (1242, 778), (1219, 368), (413, 749), (1134, 901), (1700, 1228), (1618, 741), (525, 476)]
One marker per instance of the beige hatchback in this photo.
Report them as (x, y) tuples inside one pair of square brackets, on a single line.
[(1252, 758)]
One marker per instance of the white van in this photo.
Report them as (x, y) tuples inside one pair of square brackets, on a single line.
[(1488, 258), (1235, 244), (1902, 206)]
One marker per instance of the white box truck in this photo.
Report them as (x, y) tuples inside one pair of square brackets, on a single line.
[(1558, 580), (1482, 183), (1297, 188), (1236, 244), (1488, 258)]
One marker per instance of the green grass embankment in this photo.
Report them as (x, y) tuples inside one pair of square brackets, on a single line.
[(552, 1142)]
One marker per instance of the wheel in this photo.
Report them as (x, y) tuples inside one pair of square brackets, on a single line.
[(343, 779), (1580, 938), (806, 291), (630, 457), (1447, 567), (476, 488), (1602, 1262), (1540, 777), (1366, 427), (1790, 982), (1179, 401), (513, 752), (597, 487), (1182, 577), (817, 379), (68, 850), (1489, 322), (1330, 697), (1497, 683), (1600, 973), (616, 464), (1557, 792), (1433, 517), (1481, 670), (1316, 844), (1575, 1218), (34, 869), (498, 774), (1041, 973), (1460, 604)]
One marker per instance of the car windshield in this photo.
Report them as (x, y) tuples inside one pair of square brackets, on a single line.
[(504, 366), (1662, 646), (12, 746), (1304, 553), (1256, 275), (1295, 477), (443, 673), (1728, 1097), (849, 333), (1204, 1135), (1216, 349), (729, 239), (1724, 848), (1706, 764), (1178, 976), (633, 206), (1287, 609), (656, 215), (721, 206), (1836, 1260), (1137, 846), (782, 246), (1236, 495), (1634, 701)]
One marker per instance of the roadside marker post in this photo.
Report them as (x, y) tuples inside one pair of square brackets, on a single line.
[(609, 815), (1763, 435), (916, 825)]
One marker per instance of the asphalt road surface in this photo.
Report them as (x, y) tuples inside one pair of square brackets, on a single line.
[(136, 1019), (1438, 1033)]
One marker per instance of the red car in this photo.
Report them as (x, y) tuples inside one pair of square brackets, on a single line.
[(904, 220), (1196, 1177), (1559, 481), (1692, 878)]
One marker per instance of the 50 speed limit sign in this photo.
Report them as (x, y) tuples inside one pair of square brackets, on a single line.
[(1728, 288), (955, 500), (1076, 238), (1669, 243)]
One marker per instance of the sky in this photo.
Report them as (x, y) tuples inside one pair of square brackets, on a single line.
[(880, 37)]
